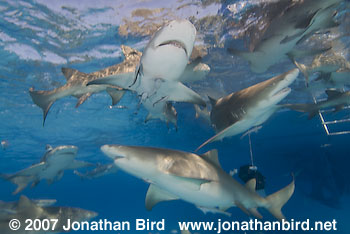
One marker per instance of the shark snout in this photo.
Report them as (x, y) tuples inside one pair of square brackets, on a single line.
[(291, 76), (178, 33), (113, 151), (286, 79), (91, 215), (66, 149)]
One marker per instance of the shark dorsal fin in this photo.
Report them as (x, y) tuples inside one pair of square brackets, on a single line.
[(24, 203), (212, 100), (212, 156), (155, 195), (331, 93), (251, 185), (69, 72)]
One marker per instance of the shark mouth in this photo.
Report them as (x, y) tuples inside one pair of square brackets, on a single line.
[(175, 43), (282, 91), (66, 150)]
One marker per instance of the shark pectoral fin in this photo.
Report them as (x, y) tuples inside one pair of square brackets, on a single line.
[(276, 201), (251, 185), (79, 164), (123, 80), (241, 206), (155, 195), (216, 137), (82, 99), (194, 72), (212, 156), (32, 170), (115, 94), (191, 183), (178, 92), (255, 213), (43, 99)]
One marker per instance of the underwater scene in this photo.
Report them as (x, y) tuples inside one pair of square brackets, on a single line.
[(177, 116)]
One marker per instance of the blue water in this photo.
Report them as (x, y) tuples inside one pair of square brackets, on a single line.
[(38, 38)]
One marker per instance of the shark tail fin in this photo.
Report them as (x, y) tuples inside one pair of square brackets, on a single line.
[(20, 181), (312, 109), (276, 201), (43, 99), (304, 69)]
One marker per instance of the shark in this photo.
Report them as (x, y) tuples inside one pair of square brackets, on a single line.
[(292, 26), (51, 167), (336, 99), (100, 170), (30, 209), (332, 67), (197, 179), (163, 69), (250, 107), (77, 83)]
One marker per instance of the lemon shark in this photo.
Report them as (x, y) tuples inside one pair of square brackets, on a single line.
[(336, 99), (163, 68), (77, 83), (250, 107), (333, 71), (197, 179), (30, 209), (293, 26), (100, 170), (51, 167)]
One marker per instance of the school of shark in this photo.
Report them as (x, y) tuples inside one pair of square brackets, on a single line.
[(165, 72)]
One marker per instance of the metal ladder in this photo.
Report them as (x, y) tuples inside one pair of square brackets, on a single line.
[(326, 123)]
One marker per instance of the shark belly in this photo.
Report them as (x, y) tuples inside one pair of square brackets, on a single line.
[(211, 194), (56, 166), (168, 63)]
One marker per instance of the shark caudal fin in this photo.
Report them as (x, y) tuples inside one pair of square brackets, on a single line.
[(276, 201), (43, 99), (312, 109), (304, 69), (21, 181)]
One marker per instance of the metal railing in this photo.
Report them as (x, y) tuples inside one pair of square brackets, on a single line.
[(326, 123)]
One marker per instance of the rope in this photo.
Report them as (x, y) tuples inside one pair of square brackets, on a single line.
[(252, 167)]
